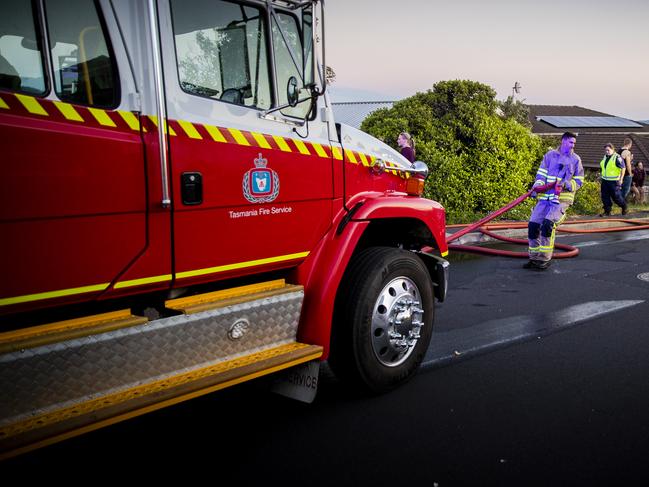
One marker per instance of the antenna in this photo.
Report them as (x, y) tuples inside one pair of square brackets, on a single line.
[(516, 89)]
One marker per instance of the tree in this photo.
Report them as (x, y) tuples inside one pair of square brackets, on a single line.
[(516, 110), (478, 161), (330, 75)]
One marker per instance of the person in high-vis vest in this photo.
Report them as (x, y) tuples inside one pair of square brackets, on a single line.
[(559, 177), (611, 180)]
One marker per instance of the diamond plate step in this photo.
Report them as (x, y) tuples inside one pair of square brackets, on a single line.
[(45, 429), (227, 297), (63, 372), (64, 330)]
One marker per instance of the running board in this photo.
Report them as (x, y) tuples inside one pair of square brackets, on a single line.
[(65, 379)]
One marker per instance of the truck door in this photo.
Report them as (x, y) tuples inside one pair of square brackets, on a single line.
[(72, 189), (252, 191)]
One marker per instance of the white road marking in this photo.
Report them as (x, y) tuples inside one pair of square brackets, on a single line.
[(592, 243), (446, 346)]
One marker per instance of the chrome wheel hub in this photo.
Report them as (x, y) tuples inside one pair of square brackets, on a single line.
[(397, 319)]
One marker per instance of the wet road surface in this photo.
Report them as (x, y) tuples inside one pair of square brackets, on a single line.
[(532, 378)]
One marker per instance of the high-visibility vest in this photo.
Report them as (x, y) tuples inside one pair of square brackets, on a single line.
[(610, 171)]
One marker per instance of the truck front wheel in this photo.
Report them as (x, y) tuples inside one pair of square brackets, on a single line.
[(383, 321)]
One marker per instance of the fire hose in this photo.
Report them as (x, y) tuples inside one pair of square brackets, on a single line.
[(567, 250)]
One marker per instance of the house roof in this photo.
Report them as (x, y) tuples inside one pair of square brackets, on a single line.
[(591, 139), (590, 147), (354, 112), (543, 127)]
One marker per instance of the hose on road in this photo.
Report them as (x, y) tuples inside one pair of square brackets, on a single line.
[(567, 250)]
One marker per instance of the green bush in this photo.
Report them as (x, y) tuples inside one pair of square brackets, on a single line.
[(478, 160), (587, 199)]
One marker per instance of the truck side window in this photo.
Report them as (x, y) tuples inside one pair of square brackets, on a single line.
[(84, 70), (21, 60), (221, 51), (289, 61)]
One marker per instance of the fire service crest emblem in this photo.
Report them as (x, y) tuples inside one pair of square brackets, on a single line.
[(261, 184)]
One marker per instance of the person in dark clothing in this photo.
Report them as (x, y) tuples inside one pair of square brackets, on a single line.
[(638, 182), (611, 180), (406, 146), (627, 171)]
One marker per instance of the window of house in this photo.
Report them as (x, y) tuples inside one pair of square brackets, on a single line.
[(221, 51), (21, 60), (84, 69)]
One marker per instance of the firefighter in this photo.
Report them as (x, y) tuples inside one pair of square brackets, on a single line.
[(559, 177)]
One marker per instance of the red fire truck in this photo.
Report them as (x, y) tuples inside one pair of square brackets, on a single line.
[(180, 212)]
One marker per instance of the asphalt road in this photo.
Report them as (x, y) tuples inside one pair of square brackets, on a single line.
[(532, 378)]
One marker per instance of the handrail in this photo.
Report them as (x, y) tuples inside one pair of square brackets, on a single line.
[(84, 62), (161, 111)]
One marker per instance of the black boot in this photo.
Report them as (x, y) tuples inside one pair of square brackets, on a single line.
[(530, 264)]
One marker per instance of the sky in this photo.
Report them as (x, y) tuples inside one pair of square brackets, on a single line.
[(589, 53)]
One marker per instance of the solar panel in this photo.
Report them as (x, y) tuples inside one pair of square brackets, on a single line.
[(565, 122)]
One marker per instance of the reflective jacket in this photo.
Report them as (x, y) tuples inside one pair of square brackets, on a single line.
[(565, 170), (611, 167)]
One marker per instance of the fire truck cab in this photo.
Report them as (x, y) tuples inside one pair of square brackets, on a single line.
[(180, 212)]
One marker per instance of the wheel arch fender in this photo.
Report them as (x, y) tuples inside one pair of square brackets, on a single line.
[(322, 273), (400, 207)]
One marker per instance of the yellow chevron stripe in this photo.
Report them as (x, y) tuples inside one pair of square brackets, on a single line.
[(261, 140), (301, 147), (190, 130), (102, 117), (241, 265), (144, 280), (350, 156), (154, 119), (364, 160), (281, 143), (336, 152), (130, 119), (3, 104), (68, 111), (319, 149), (239, 137), (215, 133), (53, 294), (31, 104)]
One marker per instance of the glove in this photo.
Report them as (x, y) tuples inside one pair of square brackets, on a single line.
[(533, 194)]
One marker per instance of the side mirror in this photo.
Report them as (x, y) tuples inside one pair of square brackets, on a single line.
[(292, 92), (420, 168)]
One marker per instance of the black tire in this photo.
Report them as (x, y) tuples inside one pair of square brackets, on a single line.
[(384, 290)]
